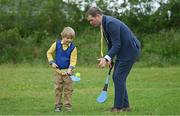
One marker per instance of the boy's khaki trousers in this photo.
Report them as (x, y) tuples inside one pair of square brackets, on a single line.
[(63, 85)]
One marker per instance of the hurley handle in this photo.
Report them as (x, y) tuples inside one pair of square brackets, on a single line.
[(110, 68)]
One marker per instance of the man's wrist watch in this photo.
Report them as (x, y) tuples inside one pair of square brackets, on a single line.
[(106, 59)]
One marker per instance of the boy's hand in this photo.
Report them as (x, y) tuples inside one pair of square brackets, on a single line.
[(69, 71), (54, 65)]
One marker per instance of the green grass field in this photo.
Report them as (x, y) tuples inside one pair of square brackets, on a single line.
[(27, 89)]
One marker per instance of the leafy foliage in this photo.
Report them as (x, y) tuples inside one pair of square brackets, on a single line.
[(161, 49), (10, 45), (28, 27)]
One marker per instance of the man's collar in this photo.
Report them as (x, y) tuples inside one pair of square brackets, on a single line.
[(103, 21)]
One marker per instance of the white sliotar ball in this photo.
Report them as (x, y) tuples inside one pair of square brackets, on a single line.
[(78, 74)]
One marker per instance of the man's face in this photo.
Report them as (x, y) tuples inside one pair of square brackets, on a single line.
[(95, 21)]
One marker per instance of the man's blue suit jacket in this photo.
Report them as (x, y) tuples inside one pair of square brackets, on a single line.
[(121, 42)]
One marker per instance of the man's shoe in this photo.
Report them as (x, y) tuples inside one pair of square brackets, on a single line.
[(116, 110), (57, 109), (128, 109)]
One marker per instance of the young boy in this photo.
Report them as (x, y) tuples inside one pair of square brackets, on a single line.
[(65, 59)]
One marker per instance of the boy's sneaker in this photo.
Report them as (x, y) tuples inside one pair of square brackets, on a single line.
[(57, 109), (69, 109)]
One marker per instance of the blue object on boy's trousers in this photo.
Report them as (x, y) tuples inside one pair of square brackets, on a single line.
[(75, 78)]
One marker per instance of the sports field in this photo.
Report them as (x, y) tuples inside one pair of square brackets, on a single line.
[(28, 90)]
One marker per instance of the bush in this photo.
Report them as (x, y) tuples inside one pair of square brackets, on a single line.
[(10, 46), (162, 48)]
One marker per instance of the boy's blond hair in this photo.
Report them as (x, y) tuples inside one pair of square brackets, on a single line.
[(68, 32)]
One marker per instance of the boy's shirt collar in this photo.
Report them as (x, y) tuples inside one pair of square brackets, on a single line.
[(65, 44)]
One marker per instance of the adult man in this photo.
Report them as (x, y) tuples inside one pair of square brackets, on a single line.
[(121, 43)]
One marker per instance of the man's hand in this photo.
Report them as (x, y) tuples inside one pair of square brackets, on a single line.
[(110, 64), (102, 62)]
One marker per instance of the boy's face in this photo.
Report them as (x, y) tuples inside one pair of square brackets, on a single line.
[(67, 40)]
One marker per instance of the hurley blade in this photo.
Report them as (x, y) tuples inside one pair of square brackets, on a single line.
[(102, 97), (75, 78)]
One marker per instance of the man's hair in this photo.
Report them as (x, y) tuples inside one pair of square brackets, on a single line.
[(68, 32), (93, 11)]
